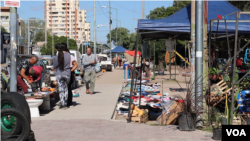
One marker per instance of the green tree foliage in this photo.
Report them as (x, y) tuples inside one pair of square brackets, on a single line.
[(48, 49), (242, 5), (35, 25), (3, 29)]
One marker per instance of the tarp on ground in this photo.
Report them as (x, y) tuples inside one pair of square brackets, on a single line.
[(131, 58), (132, 53), (118, 49), (180, 22)]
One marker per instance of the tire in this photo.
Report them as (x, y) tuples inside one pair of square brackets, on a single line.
[(15, 100), (24, 123), (3, 84)]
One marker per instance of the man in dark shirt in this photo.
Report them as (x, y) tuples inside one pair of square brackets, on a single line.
[(23, 67)]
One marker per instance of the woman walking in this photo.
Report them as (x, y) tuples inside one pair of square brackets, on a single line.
[(73, 66), (61, 63)]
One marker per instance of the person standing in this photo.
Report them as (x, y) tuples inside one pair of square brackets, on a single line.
[(61, 63), (73, 66), (89, 61), (120, 61)]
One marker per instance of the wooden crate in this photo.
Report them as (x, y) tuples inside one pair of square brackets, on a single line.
[(139, 118), (171, 117), (219, 91)]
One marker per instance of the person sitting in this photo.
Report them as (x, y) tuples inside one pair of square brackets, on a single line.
[(23, 67)]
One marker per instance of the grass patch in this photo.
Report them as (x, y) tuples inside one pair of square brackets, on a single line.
[(207, 129)]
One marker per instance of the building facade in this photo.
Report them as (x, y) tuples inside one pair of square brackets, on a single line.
[(64, 18), (5, 18)]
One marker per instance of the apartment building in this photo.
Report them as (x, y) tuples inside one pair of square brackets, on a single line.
[(5, 18), (66, 19)]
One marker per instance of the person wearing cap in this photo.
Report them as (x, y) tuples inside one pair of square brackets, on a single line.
[(36, 72)]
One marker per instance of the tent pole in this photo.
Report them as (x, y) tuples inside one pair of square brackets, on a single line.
[(140, 79), (175, 59), (234, 65), (154, 61), (132, 82), (170, 64)]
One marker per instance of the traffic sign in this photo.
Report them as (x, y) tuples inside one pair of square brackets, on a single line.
[(11, 3), (85, 43)]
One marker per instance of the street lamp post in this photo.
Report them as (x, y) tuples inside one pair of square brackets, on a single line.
[(116, 17)]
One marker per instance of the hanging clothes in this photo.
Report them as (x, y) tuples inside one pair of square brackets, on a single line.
[(167, 57), (145, 51)]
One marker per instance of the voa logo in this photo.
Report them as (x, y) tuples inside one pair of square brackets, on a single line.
[(236, 132)]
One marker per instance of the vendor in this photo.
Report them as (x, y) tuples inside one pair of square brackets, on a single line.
[(36, 72), (23, 67)]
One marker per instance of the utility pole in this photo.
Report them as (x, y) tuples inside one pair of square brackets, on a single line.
[(192, 61), (199, 57), (52, 44), (205, 55), (142, 9), (45, 32), (28, 37), (13, 49), (94, 27), (110, 30)]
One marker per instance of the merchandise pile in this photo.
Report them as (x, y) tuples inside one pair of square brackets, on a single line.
[(151, 99)]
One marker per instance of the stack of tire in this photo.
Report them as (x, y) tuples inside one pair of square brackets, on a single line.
[(15, 117)]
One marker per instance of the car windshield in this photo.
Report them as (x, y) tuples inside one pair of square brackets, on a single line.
[(73, 54)]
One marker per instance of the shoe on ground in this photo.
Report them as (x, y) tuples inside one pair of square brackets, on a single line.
[(64, 107)]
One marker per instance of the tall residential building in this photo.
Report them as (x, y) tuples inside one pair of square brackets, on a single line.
[(5, 18), (66, 19)]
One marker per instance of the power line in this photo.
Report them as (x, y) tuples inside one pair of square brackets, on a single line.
[(102, 9), (96, 14), (127, 8)]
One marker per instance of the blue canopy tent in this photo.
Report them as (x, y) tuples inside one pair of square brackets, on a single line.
[(118, 49), (180, 22)]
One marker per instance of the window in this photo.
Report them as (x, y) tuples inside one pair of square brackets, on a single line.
[(61, 24), (63, 17), (4, 17), (61, 13), (54, 12), (53, 8), (54, 16), (73, 12)]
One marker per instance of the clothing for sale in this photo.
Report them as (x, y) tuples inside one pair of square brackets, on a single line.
[(167, 57), (170, 45), (23, 64), (36, 71), (62, 82), (90, 80), (67, 62), (145, 51)]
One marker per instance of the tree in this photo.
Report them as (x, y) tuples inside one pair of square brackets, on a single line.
[(62, 39), (241, 5), (33, 25), (3, 29), (122, 37), (162, 12)]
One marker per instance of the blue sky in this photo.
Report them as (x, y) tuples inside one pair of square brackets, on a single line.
[(127, 11)]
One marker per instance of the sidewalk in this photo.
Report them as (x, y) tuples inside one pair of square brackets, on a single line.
[(97, 106), (107, 130)]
